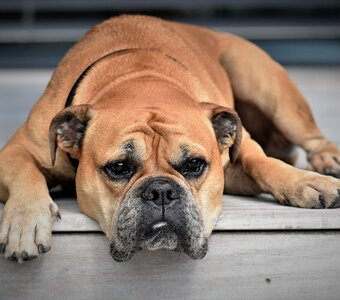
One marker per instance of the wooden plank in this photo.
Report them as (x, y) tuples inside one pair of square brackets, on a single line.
[(73, 219), (239, 213), (237, 266), (264, 213)]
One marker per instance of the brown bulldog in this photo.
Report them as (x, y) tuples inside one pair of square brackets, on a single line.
[(142, 114)]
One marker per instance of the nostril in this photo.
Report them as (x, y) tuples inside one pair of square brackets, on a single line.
[(150, 195), (172, 195), (155, 195)]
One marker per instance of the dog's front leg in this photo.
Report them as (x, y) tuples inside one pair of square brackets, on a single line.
[(289, 185), (26, 222)]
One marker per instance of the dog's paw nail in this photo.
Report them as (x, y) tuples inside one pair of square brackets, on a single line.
[(24, 256), (321, 202), (336, 203), (2, 247), (42, 249), (328, 171), (335, 172), (55, 211), (14, 256)]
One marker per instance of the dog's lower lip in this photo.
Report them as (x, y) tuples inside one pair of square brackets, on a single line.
[(159, 225)]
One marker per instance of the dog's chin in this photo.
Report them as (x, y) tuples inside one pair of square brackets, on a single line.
[(162, 238), (158, 236)]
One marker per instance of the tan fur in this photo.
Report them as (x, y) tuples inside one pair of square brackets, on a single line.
[(154, 92)]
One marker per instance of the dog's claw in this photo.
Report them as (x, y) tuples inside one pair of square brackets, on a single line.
[(55, 211), (24, 256), (2, 247), (14, 256), (322, 201), (331, 172), (42, 249), (336, 203), (328, 171)]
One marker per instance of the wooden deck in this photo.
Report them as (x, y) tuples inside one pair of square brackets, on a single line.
[(259, 250)]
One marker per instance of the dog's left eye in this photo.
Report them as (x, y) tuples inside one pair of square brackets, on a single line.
[(193, 167), (122, 169)]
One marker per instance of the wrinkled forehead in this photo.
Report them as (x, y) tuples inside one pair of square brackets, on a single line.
[(140, 135)]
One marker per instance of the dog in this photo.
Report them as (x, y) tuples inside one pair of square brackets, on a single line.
[(154, 121)]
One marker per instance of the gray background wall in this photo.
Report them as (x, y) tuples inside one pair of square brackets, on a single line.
[(36, 33)]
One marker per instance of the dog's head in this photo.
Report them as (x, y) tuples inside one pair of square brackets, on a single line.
[(150, 166)]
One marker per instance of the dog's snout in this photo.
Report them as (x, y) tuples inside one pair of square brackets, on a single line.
[(161, 191)]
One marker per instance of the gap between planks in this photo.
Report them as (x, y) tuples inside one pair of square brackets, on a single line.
[(238, 214)]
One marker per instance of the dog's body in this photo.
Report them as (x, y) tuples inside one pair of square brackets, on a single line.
[(146, 106)]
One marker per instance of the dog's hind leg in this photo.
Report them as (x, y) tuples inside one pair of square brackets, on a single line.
[(264, 132), (258, 80), (26, 221), (238, 182), (254, 172)]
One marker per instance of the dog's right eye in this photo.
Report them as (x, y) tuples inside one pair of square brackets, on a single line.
[(119, 170)]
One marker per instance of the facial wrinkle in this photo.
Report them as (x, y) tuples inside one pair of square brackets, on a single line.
[(155, 146)]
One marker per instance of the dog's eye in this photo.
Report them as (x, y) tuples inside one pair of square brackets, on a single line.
[(122, 169), (193, 167)]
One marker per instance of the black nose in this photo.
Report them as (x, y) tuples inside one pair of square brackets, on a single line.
[(161, 191)]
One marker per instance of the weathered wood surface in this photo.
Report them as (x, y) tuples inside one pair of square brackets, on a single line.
[(237, 266), (239, 213), (264, 213)]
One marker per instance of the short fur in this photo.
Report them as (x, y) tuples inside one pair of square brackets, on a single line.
[(169, 92)]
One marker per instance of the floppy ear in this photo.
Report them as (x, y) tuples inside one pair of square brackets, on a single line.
[(227, 126), (67, 130)]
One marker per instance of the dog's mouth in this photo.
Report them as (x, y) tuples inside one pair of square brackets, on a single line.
[(140, 225), (162, 235)]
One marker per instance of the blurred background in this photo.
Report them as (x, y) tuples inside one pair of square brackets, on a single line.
[(36, 33), (302, 35)]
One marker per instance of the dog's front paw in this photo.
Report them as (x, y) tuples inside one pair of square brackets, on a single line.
[(310, 190), (26, 229), (326, 159)]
